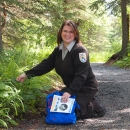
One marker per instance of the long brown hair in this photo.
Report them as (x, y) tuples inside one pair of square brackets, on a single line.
[(73, 25)]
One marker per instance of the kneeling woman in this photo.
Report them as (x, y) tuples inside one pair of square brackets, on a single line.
[(70, 59)]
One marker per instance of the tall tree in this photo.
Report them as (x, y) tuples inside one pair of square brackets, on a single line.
[(115, 6), (125, 28)]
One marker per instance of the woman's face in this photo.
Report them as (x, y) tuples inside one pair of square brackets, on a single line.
[(67, 34)]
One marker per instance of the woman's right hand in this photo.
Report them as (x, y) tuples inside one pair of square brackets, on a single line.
[(21, 77)]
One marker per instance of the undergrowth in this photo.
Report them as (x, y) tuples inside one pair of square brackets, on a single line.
[(16, 97)]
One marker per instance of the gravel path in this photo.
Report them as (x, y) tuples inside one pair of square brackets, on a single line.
[(114, 93)]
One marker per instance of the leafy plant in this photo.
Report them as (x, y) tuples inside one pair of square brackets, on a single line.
[(11, 101), (125, 62)]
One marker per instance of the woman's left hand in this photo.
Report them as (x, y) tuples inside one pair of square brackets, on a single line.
[(65, 97)]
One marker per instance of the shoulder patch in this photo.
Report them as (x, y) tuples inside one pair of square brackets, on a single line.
[(82, 57)]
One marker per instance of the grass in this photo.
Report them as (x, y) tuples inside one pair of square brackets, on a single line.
[(99, 57)]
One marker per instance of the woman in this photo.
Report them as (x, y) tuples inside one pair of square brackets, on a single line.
[(71, 61)]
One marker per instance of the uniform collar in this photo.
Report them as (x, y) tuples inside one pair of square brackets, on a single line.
[(69, 47)]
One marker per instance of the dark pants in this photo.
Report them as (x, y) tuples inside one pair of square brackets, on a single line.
[(87, 101), (93, 109)]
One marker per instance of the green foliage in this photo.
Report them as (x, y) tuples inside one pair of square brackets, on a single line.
[(15, 97), (31, 20), (111, 6), (4, 117), (38, 24), (10, 103), (99, 57), (125, 62)]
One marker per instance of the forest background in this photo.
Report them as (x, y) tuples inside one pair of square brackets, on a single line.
[(28, 30)]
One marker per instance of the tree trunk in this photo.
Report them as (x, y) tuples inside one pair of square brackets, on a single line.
[(128, 25), (125, 37), (113, 58), (2, 23)]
